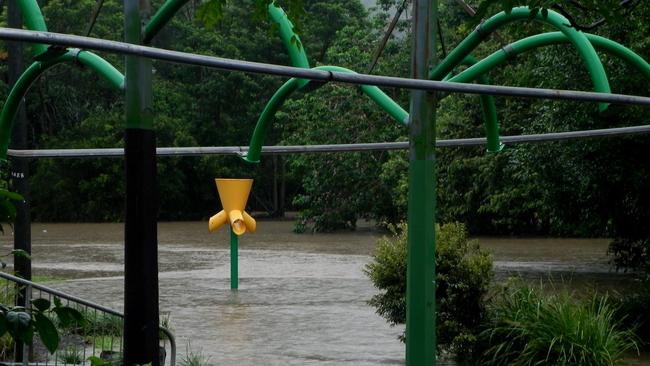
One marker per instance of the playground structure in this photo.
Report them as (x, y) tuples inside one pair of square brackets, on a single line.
[(233, 194), (141, 291)]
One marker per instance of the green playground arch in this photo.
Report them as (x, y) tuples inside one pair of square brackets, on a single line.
[(419, 305)]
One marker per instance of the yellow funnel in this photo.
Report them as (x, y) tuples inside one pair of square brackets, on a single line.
[(234, 195)]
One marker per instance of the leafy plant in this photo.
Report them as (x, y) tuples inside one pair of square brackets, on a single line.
[(526, 327), (464, 272), (7, 206), (194, 358), (70, 355), (633, 311), (21, 324)]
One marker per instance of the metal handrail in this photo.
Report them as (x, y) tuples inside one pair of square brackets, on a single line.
[(11, 34), (32, 285), (306, 149)]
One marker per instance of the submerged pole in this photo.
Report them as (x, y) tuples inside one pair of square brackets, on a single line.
[(234, 260), (141, 314), (420, 277)]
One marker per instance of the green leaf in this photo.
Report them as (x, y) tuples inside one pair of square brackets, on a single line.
[(68, 316), (7, 210), (96, 361), (3, 325), (41, 304), (211, 12), (18, 325), (47, 332), (21, 253), (57, 302), (11, 195)]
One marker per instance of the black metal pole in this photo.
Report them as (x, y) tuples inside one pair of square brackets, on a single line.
[(141, 314), (19, 169)]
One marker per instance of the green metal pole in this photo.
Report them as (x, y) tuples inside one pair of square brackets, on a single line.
[(420, 276), (33, 19), (489, 108), (34, 71), (577, 38), (291, 86), (234, 260), (161, 18), (546, 39), (141, 313)]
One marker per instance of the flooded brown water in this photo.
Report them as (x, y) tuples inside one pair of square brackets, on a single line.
[(302, 298)]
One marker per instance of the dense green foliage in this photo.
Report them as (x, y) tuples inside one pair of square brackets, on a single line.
[(527, 327), (596, 187), (464, 272)]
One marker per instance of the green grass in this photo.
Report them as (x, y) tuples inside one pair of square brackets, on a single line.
[(45, 279), (101, 324), (70, 355), (527, 327), (193, 358), (105, 343)]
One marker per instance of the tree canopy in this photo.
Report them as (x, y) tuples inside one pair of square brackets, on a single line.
[(594, 187)]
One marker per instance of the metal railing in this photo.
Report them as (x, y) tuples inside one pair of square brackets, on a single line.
[(100, 335)]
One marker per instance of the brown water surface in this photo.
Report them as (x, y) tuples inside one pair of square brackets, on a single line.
[(302, 298)]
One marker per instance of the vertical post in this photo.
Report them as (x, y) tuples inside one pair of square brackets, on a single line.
[(141, 314), (420, 280), (19, 169), (234, 260)]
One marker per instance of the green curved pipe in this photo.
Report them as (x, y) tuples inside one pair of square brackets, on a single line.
[(161, 18), (488, 107), (33, 20), (546, 39), (289, 38), (622, 52), (577, 38), (264, 121), (20, 89)]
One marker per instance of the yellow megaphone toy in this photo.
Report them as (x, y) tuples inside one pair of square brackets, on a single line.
[(234, 195)]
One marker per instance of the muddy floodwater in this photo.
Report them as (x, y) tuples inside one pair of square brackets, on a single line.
[(302, 298)]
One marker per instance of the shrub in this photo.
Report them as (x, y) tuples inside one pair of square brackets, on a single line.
[(633, 311), (70, 355), (194, 358), (464, 273), (526, 327)]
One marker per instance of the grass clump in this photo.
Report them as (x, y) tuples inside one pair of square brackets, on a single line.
[(526, 327), (70, 355), (194, 358)]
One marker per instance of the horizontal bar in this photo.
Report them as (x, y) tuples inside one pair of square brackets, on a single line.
[(307, 149), (60, 294), (11, 34)]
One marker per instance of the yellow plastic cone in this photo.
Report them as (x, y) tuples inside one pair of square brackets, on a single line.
[(234, 195)]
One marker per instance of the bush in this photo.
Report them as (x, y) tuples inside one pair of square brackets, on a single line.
[(633, 311), (464, 273), (526, 327)]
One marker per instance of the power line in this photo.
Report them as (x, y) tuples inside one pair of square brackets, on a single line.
[(309, 149), (319, 75)]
